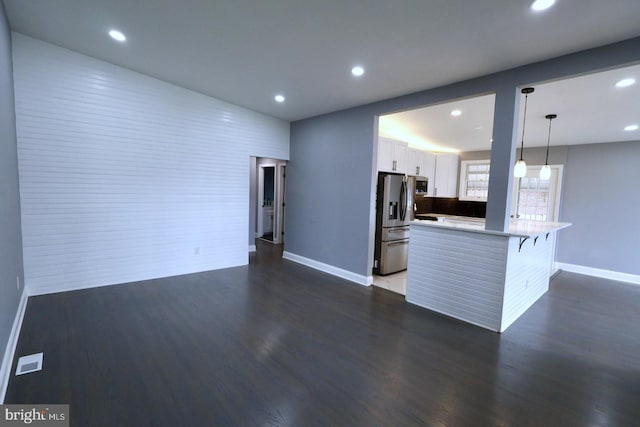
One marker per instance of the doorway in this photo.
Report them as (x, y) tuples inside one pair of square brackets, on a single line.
[(538, 199), (429, 143), (267, 183), (269, 200)]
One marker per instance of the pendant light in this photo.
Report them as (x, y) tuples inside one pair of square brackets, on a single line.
[(520, 169), (545, 172)]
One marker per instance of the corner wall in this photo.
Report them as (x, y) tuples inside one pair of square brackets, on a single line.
[(10, 228), (328, 191)]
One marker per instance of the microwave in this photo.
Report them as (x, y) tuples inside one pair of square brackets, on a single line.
[(422, 186)]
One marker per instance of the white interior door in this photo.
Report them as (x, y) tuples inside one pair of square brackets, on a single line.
[(278, 228), (271, 194), (260, 213)]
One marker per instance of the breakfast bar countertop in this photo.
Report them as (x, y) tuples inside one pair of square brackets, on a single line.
[(517, 227)]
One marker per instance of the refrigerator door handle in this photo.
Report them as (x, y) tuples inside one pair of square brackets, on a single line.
[(403, 200)]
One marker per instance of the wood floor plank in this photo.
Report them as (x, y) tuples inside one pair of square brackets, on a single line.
[(276, 343)]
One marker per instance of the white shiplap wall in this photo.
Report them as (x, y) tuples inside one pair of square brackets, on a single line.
[(457, 273), (124, 177), (527, 275)]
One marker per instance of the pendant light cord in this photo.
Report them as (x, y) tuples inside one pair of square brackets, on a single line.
[(546, 160), (524, 122)]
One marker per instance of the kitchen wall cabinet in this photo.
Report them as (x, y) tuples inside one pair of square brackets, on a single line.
[(440, 169), (446, 176), (423, 164), (392, 155), (420, 163)]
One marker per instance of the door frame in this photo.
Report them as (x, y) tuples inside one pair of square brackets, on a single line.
[(260, 215), (278, 198), (557, 199), (557, 190)]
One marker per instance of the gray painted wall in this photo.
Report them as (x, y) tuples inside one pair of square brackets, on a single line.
[(332, 156), (10, 227), (328, 189), (600, 198)]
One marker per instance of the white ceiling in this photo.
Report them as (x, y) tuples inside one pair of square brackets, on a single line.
[(590, 109), (246, 51), (434, 128)]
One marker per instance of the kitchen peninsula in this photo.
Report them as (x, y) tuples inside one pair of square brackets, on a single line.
[(484, 277)]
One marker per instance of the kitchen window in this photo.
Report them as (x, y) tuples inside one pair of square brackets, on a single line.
[(474, 180)]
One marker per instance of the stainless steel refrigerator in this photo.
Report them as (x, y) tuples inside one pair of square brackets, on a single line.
[(394, 210)]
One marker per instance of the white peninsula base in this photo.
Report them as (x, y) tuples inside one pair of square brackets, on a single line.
[(483, 277)]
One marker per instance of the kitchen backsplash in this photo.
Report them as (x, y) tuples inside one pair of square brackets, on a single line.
[(451, 206)]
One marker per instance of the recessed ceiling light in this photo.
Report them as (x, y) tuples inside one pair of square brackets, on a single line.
[(279, 98), (631, 127), (540, 5), (357, 71), (456, 113), (117, 35), (625, 82)]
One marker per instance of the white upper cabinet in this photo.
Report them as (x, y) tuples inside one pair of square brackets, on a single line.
[(441, 170), (420, 163), (446, 176), (392, 155), (423, 164)]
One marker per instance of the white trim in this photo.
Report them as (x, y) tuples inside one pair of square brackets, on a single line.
[(279, 197), (252, 248), (55, 289), (598, 272), (5, 369), (326, 268)]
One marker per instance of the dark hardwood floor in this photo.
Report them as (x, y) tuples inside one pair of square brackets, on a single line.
[(277, 344)]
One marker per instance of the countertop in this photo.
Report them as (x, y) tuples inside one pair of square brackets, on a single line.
[(517, 228)]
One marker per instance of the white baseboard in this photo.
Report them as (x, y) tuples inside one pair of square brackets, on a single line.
[(335, 271), (597, 272), (7, 360), (54, 289), (252, 248)]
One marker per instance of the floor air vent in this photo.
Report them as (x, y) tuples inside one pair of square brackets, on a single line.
[(30, 363)]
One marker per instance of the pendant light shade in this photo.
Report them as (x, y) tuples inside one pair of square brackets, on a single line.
[(545, 172), (520, 169)]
